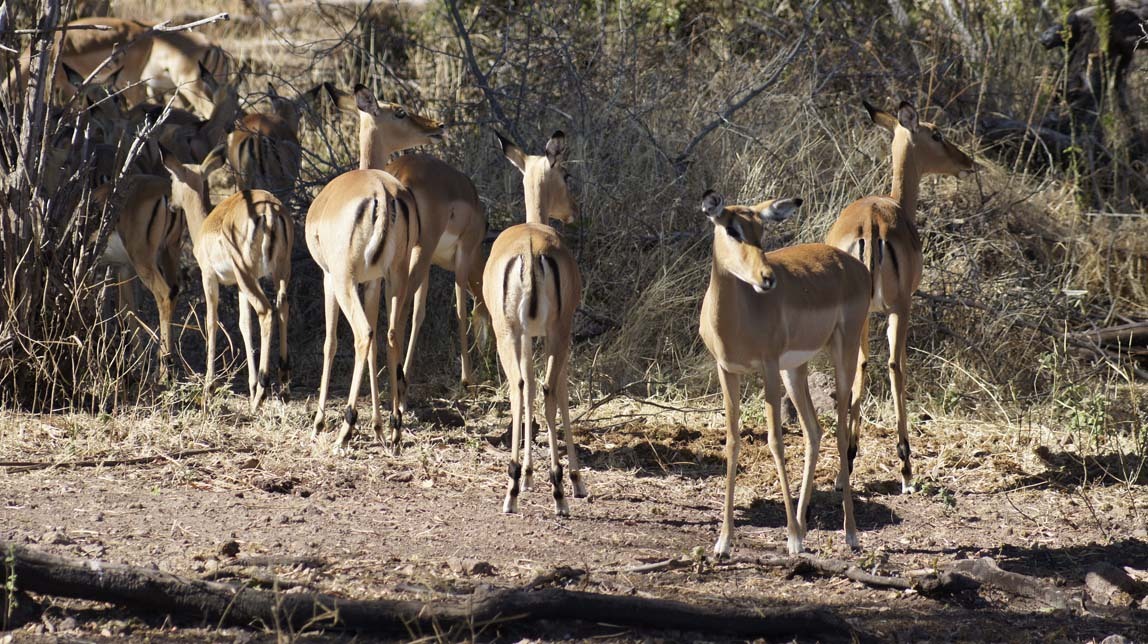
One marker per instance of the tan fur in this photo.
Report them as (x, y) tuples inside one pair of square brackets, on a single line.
[(771, 313), (882, 233), (264, 149), (360, 229), (532, 286), (452, 226), (245, 238), (165, 61), (150, 236)]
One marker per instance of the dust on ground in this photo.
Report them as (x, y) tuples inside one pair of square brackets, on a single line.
[(427, 524)]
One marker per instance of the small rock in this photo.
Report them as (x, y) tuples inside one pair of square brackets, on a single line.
[(1108, 585), (470, 566), (55, 538), (229, 548), (67, 624), (249, 464)]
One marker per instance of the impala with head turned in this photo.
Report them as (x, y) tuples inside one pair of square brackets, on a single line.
[(532, 287), (247, 237), (264, 148), (360, 229), (882, 233), (150, 63), (770, 312)]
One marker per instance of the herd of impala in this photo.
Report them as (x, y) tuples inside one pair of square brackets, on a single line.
[(390, 219)]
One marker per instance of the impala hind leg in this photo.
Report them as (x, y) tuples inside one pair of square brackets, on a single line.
[(856, 396), (898, 338), (164, 294), (797, 385), (259, 380), (550, 395), (281, 309), (460, 313), (508, 349), (419, 280), (352, 307), (526, 373), (731, 394), (330, 343)]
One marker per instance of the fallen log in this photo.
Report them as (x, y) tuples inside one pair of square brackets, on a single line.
[(985, 571), (153, 591)]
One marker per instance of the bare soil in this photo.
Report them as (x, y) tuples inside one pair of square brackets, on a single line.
[(427, 524)]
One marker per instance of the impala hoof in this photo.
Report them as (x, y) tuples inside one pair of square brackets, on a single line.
[(561, 507), (795, 545), (579, 486), (908, 488), (510, 505), (852, 540), (722, 547)]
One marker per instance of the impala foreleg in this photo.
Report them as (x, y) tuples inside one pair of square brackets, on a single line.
[(211, 321), (856, 396), (898, 338), (797, 385), (460, 314), (371, 294), (419, 280), (795, 535), (397, 299), (731, 393), (844, 358), (330, 343)]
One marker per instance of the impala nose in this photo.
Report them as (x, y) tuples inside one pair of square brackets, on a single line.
[(768, 281)]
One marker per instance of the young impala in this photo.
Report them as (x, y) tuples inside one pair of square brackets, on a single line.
[(532, 286), (360, 229), (772, 312), (882, 233), (248, 236), (264, 148)]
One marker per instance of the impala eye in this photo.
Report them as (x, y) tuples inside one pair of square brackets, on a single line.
[(937, 136), (400, 113)]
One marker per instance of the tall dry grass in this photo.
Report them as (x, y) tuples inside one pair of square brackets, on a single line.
[(1014, 264)]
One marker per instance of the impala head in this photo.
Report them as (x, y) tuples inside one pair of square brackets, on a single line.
[(224, 95), (284, 108), (189, 184), (545, 179), (932, 153), (104, 104), (389, 122), (738, 233)]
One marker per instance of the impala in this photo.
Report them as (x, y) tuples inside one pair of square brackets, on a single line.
[(882, 233), (248, 236), (264, 148), (451, 229), (360, 229), (531, 286), (147, 240), (149, 62), (772, 312)]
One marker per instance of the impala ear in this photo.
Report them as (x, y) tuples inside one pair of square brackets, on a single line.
[(75, 78), (781, 209), (880, 117), (556, 147), (113, 79), (713, 204), (365, 100), (214, 159), (271, 93), (907, 116), (208, 78), (512, 152)]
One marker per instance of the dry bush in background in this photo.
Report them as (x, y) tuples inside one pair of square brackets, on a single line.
[(663, 99)]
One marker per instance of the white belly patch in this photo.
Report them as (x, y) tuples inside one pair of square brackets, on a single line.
[(115, 253), (791, 359)]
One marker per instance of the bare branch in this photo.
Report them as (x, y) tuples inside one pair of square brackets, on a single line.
[(480, 78)]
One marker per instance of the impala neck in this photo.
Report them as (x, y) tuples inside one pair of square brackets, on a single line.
[(195, 209), (534, 214), (906, 176), (373, 151)]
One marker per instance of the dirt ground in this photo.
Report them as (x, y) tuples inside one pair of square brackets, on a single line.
[(426, 525)]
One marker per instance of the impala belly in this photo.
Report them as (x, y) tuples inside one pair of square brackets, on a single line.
[(792, 359), (444, 252), (115, 252)]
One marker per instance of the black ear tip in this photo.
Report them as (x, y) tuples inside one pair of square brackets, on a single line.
[(359, 87), (906, 105), (558, 134), (798, 201), (708, 193)]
